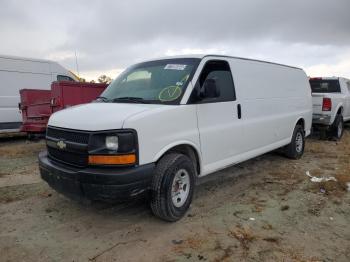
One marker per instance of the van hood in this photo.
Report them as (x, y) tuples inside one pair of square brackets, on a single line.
[(97, 116)]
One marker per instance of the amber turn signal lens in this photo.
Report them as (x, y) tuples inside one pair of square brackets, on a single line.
[(112, 160)]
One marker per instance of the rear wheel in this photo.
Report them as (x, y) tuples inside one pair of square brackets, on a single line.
[(337, 129), (172, 187), (296, 147)]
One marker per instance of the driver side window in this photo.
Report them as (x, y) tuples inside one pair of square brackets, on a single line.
[(219, 71)]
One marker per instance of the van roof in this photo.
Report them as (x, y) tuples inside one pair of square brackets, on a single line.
[(201, 56), (26, 58)]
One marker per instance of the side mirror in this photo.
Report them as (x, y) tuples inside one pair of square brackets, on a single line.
[(210, 89)]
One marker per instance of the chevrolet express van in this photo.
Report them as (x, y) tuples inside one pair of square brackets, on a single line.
[(162, 124)]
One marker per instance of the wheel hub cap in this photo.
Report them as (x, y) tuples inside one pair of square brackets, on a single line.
[(340, 129), (180, 187), (299, 142)]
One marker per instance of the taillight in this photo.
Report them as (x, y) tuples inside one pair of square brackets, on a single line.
[(327, 104)]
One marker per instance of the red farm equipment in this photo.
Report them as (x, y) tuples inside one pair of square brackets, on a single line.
[(38, 105)]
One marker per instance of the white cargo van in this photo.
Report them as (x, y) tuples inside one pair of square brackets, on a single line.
[(163, 123), (17, 73)]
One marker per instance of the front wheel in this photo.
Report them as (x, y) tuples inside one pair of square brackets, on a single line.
[(172, 187), (296, 147)]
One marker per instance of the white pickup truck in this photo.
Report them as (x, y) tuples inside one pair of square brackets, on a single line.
[(331, 104)]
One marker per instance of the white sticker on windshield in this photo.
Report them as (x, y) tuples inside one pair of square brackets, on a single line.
[(175, 67)]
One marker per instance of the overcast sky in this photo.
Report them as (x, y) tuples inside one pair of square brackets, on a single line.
[(110, 35)]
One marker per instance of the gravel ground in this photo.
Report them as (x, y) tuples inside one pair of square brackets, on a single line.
[(265, 209)]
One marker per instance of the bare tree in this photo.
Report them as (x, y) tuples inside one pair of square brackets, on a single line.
[(104, 79)]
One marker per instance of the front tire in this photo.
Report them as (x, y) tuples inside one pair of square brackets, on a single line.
[(172, 187), (295, 149)]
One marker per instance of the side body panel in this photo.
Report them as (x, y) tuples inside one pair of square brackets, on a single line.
[(273, 98), (10, 84), (345, 87)]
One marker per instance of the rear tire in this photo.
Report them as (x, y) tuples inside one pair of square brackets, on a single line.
[(337, 129), (296, 147), (172, 187)]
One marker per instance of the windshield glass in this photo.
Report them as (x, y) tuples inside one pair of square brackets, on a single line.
[(158, 82)]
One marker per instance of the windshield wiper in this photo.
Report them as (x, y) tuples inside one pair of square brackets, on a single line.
[(130, 99), (102, 98)]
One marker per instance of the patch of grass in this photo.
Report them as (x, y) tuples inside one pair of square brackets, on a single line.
[(16, 193), (316, 208), (243, 234), (12, 150), (226, 252), (193, 242)]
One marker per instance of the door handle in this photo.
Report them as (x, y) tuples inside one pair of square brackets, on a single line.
[(239, 111)]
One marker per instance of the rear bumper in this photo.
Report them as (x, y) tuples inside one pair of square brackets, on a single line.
[(319, 119), (106, 184)]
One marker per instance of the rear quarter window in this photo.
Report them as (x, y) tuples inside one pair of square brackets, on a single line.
[(324, 86)]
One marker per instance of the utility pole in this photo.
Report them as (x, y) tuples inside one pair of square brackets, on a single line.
[(76, 63)]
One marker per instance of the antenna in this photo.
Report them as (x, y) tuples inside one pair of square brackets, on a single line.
[(76, 63)]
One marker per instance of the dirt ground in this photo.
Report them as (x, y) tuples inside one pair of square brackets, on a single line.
[(265, 209)]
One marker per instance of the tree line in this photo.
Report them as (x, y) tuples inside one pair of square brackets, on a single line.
[(101, 79)]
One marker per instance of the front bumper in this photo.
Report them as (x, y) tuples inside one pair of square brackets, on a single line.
[(96, 183), (320, 119)]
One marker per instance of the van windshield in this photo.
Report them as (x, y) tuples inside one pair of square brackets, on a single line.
[(156, 82), (325, 86)]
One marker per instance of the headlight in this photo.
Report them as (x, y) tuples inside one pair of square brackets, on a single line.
[(112, 142), (115, 147)]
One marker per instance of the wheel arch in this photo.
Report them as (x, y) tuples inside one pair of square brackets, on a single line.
[(300, 121), (185, 147), (340, 110)]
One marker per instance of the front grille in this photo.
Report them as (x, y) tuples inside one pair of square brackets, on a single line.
[(72, 156), (69, 135), (75, 159)]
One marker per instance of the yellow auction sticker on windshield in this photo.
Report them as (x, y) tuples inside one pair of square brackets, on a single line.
[(170, 93)]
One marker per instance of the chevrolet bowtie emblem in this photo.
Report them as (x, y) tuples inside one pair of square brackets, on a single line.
[(61, 145)]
